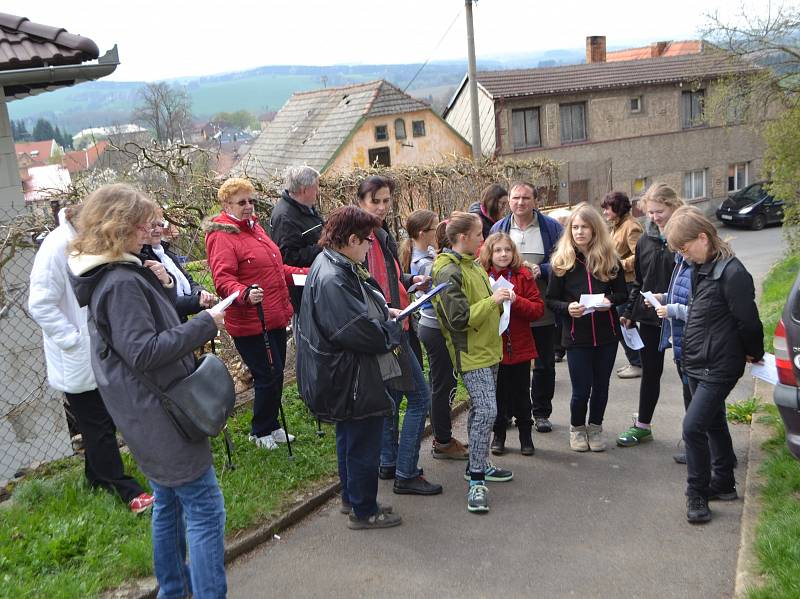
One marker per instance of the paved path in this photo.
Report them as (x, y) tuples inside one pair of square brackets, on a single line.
[(569, 525)]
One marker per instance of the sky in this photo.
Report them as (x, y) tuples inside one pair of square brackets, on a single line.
[(177, 38)]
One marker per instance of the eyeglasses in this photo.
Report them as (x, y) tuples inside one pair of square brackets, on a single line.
[(250, 201), (369, 238), (149, 227), (428, 230)]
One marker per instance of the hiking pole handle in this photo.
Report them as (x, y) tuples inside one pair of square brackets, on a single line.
[(260, 311)]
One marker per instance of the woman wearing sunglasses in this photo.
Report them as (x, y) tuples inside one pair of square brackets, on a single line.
[(243, 258)]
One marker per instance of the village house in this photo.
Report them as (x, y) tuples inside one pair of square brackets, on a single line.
[(621, 121), (338, 128)]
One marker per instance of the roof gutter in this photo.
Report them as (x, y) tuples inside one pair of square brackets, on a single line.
[(59, 75)]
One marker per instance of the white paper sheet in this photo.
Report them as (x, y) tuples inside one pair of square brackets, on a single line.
[(767, 371), (592, 301), (299, 280), (631, 337), (648, 295), (505, 317), (222, 305)]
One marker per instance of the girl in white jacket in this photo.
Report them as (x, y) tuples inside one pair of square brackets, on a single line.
[(53, 306)]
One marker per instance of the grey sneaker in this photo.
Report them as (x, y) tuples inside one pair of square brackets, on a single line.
[(346, 508), (595, 437), (543, 425), (379, 520), (477, 499), (578, 440)]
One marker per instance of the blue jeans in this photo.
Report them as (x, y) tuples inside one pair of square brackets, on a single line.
[(402, 450), (193, 511), (358, 448), (589, 372)]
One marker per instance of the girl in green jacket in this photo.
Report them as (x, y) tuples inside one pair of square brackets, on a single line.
[(469, 315)]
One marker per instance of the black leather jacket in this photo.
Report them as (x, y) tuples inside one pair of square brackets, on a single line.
[(723, 325), (337, 367)]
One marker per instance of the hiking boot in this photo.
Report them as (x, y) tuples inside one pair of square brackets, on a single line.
[(141, 503), (498, 444), (346, 508), (415, 486), (595, 437), (577, 438), (477, 499), (493, 474), (697, 510), (729, 495), (453, 450), (542, 425), (379, 520), (386, 472), (630, 372), (279, 435), (265, 442), (526, 441), (680, 458), (634, 436), (558, 356)]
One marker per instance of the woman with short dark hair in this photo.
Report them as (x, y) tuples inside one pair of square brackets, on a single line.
[(344, 359)]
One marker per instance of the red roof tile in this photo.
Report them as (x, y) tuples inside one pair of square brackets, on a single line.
[(38, 150), (24, 44), (81, 160), (671, 49)]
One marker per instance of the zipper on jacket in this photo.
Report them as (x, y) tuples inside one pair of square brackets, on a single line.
[(589, 279)]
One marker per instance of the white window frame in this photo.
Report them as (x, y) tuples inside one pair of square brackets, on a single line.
[(736, 166), (690, 184)]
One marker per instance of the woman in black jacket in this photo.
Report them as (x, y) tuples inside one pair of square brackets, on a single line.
[(584, 262), (344, 358), (653, 267), (723, 331)]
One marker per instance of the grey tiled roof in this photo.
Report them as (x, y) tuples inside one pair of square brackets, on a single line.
[(24, 44), (312, 125), (607, 75)]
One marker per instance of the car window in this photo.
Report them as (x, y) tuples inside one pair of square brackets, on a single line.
[(748, 195)]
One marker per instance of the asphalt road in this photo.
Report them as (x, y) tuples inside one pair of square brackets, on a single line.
[(569, 525)]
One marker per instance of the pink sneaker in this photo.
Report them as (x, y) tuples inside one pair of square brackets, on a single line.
[(142, 503)]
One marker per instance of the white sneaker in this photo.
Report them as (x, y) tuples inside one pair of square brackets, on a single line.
[(595, 437), (266, 442), (630, 372), (577, 438), (279, 435)]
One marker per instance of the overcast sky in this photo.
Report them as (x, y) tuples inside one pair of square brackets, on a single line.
[(170, 38)]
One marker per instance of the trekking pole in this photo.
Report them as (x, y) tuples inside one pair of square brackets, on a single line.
[(226, 437), (260, 311), (320, 432)]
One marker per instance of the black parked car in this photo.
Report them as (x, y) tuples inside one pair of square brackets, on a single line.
[(751, 207), (787, 360)]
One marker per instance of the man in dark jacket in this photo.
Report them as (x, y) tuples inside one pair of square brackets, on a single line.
[(296, 224), (535, 235)]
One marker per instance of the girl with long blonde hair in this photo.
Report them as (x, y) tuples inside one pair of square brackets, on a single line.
[(585, 262)]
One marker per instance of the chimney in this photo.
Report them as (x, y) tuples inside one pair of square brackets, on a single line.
[(658, 49), (595, 48)]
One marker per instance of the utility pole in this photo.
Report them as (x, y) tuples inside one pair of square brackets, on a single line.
[(473, 86)]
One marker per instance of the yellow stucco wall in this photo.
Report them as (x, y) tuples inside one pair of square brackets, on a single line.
[(439, 140)]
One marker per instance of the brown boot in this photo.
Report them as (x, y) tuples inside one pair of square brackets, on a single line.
[(453, 450)]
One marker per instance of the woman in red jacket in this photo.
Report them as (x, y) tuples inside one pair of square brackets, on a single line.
[(500, 258), (243, 258)]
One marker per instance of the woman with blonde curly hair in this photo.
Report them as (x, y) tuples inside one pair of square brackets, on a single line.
[(584, 262)]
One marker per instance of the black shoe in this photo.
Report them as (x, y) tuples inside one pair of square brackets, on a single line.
[(558, 357), (386, 472), (498, 444), (543, 425), (526, 442), (727, 495), (415, 486), (697, 511)]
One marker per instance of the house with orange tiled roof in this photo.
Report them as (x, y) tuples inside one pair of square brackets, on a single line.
[(83, 160), (620, 121), (39, 151)]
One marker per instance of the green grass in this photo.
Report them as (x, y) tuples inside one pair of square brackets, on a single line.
[(59, 538), (742, 411), (778, 535), (776, 289)]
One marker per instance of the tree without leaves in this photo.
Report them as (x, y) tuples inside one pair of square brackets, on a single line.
[(166, 110)]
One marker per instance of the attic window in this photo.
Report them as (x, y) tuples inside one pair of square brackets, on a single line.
[(636, 104), (399, 129), (381, 133), (418, 128)]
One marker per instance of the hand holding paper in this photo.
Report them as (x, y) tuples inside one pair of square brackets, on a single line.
[(592, 301), (223, 305), (505, 317), (650, 297)]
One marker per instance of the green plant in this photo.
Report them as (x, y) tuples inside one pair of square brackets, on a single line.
[(742, 411), (775, 290)]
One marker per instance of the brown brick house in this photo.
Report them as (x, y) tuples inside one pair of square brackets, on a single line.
[(619, 124)]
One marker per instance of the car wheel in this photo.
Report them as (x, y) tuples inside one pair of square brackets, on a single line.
[(759, 221)]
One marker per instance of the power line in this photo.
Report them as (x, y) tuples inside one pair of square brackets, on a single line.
[(441, 39)]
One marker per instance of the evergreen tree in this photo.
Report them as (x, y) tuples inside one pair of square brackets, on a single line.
[(43, 130)]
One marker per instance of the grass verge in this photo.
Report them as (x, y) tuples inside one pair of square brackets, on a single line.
[(775, 290)]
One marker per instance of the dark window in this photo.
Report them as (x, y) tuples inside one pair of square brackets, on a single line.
[(737, 176), (573, 122), (418, 128), (399, 129), (693, 109), (525, 128), (636, 104), (379, 157), (381, 133)]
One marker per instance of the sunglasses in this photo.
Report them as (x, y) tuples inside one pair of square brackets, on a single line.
[(250, 201)]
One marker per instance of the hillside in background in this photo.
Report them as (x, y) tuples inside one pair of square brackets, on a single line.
[(103, 103)]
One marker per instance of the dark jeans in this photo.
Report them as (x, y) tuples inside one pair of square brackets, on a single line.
[(709, 449), (102, 462), (358, 448), (687, 392), (443, 382), (267, 382), (589, 372), (543, 378), (634, 359), (513, 396), (652, 368)]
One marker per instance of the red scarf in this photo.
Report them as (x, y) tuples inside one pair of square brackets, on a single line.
[(376, 264)]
